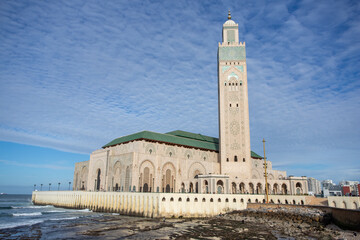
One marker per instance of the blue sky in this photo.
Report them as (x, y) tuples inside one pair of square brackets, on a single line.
[(76, 74)]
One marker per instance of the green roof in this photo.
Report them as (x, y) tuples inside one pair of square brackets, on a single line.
[(177, 137)]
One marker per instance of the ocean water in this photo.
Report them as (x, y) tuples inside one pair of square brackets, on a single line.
[(19, 218)]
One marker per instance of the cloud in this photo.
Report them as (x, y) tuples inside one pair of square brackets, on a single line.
[(46, 166), (75, 75)]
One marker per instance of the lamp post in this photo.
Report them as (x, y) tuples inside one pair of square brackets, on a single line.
[(41, 187), (34, 187), (58, 186), (69, 185), (49, 186), (266, 183)]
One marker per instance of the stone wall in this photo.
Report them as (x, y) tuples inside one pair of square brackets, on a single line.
[(156, 204), (344, 202)]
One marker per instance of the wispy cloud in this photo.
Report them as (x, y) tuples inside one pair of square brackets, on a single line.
[(26, 165), (75, 75)]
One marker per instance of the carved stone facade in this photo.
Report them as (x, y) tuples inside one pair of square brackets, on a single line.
[(185, 162)]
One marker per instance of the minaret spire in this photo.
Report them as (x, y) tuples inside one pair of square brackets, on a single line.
[(229, 15)]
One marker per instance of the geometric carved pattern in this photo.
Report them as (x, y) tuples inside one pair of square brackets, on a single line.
[(234, 128)]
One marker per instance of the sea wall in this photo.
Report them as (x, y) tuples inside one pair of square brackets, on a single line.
[(344, 202), (156, 204)]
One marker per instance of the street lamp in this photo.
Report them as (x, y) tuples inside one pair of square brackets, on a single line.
[(58, 186), (49, 186), (266, 175), (69, 185), (34, 187), (41, 187)]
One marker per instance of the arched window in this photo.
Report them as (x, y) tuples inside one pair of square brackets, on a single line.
[(235, 159), (230, 104), (243, 159)]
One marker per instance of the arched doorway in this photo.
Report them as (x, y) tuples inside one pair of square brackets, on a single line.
[(233, 188), (284, 189), (168, 181), (146, 188), (251, 188), (146, 180), (182, 187), (298, 188), (242, 187), (191, 188), (258, 188), (168, 178), (220, 187), (98, 179), (276, 188), (206, 185)]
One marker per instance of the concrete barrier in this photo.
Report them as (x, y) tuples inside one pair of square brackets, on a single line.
[(156, 204)]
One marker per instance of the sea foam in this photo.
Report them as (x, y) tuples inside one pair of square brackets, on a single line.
[(27, 214)]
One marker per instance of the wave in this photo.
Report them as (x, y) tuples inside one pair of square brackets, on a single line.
[(55, 211), (18, 224), (17, 207), (60, 219), (84, 210), (26, 214)]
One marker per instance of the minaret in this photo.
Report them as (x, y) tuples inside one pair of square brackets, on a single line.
[(233, 104)]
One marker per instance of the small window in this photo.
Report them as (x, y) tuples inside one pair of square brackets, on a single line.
[(211, 200), (180, 200), (188, 156), (230, 104), (171, 199), (188, 199), (150, 151), (204, 158), (235, 84), (243, 159), (234, 200), (235, 159), (170, 153), (240, 84), (163, 199), (219, 200), (227, 159), (204, 200), (195, 200), (225, 84), (227, 200), (237, 105)]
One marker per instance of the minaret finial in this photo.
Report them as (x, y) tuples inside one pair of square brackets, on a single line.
[(229, 15)]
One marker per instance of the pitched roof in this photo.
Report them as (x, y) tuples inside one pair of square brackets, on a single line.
[(178, 137)]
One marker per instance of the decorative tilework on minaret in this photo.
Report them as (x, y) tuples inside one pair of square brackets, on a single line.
[(233, 104)]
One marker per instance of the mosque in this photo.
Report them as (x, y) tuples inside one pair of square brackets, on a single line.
[(179, 161)]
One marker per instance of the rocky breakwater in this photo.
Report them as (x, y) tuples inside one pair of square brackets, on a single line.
[(297, 223)]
